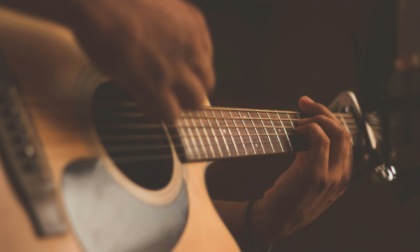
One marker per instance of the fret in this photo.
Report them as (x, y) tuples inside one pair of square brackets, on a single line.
[(266, 129), (241, 126), (276, 143), (262, 132), (235, 134), (212, 133), (254, 141), (344, 122), (236, 114), (271, 134), (293, 117), (285, 132), (297, 145), (193, 140), (185, 140), (241, 136), (232, 133), (223, 134), (203, 133), (251, 129), (273, 115), (213, 142), (227, 137), (218, 144), (236, 137), (200, 139)]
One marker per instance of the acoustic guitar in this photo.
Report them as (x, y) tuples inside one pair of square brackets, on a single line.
[(84, 170)]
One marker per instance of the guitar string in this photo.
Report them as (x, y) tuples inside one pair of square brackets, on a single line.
[(117, 137), (128, 146), (137, 158), (141, 115), (349, 121), (134, 126), (112, 147), (195, 157), (134, 105), (146, 136)]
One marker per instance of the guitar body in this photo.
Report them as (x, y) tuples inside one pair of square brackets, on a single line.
[(101, 209)]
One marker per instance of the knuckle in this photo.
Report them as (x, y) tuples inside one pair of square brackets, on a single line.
[(321, 118), (314, 128), (345, 135), (322, 109), (319, 135), (320, 182), (323, 140)]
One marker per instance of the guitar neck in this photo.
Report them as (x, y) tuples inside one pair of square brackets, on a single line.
[(216, 133)]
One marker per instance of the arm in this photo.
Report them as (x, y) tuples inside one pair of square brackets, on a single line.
[(158, 50), (315, 179)]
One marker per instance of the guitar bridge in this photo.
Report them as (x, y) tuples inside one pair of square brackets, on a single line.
[(24, 162)]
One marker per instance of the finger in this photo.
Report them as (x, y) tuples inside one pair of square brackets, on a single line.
[(200, 54), (337, 158), (309, 107), (158, 104), (204, 34), (189, 89), (151, 87), (163, 106), (340, 144), (319, 146), (338, 135), (201, 64)]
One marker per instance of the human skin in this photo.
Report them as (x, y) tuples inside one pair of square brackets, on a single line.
[(158, 50), (315, 179), (161, 52)]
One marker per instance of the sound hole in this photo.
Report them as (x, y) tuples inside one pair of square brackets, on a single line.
[(138, 147)]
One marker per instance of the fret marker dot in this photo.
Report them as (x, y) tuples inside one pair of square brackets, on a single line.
[(279, 130), (224, 131), (256, 145)]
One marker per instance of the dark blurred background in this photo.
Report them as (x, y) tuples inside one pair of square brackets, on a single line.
[(268, 54)]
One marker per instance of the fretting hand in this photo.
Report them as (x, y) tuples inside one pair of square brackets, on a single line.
[(316, 178)]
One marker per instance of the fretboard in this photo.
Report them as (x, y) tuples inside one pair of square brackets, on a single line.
[(215, 133)]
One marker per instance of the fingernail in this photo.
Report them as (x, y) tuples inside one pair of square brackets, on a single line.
[(306, 98)]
